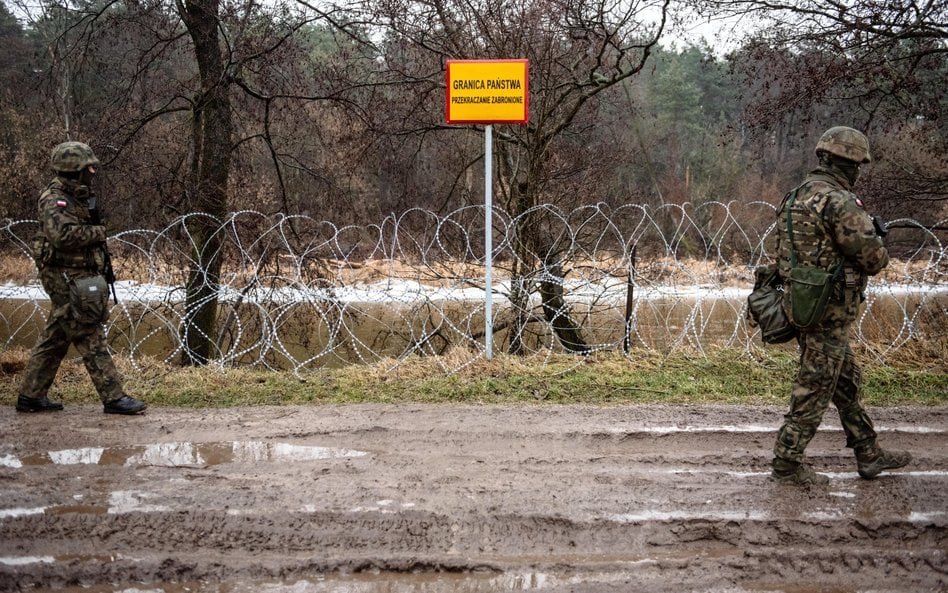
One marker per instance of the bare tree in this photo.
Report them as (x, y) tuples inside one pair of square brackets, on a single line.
[(138, 78), (878, 65), (577, 52), (211, 129)]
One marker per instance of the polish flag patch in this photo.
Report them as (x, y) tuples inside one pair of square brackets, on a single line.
[(61, 203)]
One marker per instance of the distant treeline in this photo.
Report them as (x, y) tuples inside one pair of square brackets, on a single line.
[(339, 115)]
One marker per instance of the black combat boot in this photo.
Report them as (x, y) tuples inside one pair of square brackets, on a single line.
[(126, 405), (36, 404), (872, 460), (795, 474)]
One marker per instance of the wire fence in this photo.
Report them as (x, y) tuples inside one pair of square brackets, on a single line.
[(296, 293)]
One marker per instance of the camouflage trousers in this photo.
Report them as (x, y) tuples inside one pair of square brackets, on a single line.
[(828, 373), (63, 328)]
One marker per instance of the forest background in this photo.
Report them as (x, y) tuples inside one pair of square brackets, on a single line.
[(336, 111)]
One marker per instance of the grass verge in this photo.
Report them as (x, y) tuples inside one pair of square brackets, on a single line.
[(718, 377)]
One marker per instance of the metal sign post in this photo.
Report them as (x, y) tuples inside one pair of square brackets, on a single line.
[(488, 239), (487, 92)]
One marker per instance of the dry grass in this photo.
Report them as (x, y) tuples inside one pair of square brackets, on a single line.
[(19, 269), (16, 270), (915, 372), (722, 376)]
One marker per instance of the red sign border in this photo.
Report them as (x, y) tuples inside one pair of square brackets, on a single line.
[(526, 93)]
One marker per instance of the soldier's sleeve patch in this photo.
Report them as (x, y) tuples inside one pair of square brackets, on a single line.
[(61, 203)]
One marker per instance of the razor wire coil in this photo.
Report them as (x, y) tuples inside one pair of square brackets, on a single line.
[(296, 293)]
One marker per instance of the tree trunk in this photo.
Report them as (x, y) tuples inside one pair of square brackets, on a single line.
[(557, 313), (211, 139), (528, 237), (523, 264)]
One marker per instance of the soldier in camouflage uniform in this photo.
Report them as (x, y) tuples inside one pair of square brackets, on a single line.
[(829, 222), (69, 255)]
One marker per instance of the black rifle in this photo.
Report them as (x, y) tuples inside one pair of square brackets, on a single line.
[(882, 229), (108, 272)]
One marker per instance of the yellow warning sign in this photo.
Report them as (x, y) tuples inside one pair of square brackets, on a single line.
[(487, 92)]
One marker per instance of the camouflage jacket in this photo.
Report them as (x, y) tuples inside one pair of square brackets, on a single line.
[(67, 237), (829, 224)]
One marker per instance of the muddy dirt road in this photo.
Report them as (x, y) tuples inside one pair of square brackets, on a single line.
[(373, 498)]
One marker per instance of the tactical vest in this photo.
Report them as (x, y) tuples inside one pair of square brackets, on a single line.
[(45, 255), (815, 247)]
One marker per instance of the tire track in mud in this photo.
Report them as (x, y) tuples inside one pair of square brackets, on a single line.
[(271, 547), (595, 498), (748, 549)]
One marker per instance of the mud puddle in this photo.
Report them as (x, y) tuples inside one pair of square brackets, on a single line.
[(182, 454), (444, 583), (438, 499)]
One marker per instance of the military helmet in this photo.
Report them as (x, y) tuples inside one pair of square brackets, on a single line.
[(70, 157), (845, 142)]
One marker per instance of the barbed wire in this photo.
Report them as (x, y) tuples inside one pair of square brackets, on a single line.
[(296, 293)]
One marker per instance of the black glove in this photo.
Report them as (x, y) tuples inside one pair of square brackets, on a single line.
[(880, 226)]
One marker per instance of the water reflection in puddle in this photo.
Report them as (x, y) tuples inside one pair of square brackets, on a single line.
[(411, 583), (10, 461), (119, 502), (25, 560), (185, 454)]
